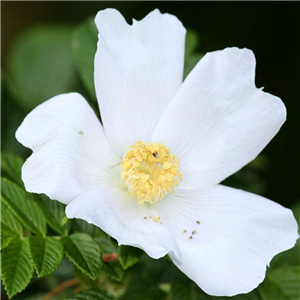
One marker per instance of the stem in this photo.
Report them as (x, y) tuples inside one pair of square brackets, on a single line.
[(60, 287)]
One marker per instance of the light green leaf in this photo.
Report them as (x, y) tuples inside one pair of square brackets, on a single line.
[(11, 165), (40, 65), (5, 240), (190, 63), (54, 212), (192, 41), (46, 254), (94, 294), (84, 47), (128, 256), (16, 267), (84, 253), (23, 206)]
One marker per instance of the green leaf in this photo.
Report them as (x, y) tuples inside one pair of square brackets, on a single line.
[(23, 206), (54, 212), (190, 63), (94, 294), (46, 254), (114, 270), (286, 281), (10, 225), (82, 226), (128, 256), (192, 41), (11, 165), (16, 267), (84, 47), (40, 65), (84, 253), (269, 290), (5, 240)]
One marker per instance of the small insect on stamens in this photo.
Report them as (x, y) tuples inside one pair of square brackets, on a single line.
[(190, 237), (198, 222), (155, 154), (194, 232), (145, 218)]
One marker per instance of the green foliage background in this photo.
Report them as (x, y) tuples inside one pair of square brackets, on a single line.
[(48, 49)]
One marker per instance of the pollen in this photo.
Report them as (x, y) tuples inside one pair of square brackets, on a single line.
[(149, 171)]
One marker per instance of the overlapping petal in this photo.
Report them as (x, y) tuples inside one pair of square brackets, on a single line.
[(70, 151), (231, 236), (122, 217), (219, 121), (138, 70)]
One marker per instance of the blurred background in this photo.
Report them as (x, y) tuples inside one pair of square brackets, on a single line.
[(271, 30)]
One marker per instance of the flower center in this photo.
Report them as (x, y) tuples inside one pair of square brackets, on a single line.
[(149, 171)]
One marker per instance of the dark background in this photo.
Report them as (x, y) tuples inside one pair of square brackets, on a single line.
[(270, 29)]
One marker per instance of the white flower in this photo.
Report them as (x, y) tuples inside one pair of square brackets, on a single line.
[(150, 176)]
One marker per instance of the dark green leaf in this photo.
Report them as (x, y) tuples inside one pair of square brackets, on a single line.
[(82, 226), (16, 267), (84, 48), (10, 225), (286, 280), (11, 165), (114, 270), (41, 65), (106, 245), (54, 212), (94, 294), (84, 252), (46, 254), (23, 206), (128, 256)]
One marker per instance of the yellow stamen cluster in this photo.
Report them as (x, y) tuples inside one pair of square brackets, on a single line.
[(149, 171)]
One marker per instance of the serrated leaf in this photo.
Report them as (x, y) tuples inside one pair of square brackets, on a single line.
[(84, 252), (114, 270), (46, 254), (23, 206), (94, 294), (54, 212), (11, 165), (40, 65), (84, 47), (9, 223), (128, 256), (16, 267)]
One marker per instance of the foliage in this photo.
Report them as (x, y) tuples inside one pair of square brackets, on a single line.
[(34, 238)]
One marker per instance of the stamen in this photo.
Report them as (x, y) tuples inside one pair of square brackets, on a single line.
[(149, 171)]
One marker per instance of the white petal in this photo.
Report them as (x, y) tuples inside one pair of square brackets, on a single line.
[(122, 217), (237, 236), (70, 151), (138, 70), (219, 121)]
